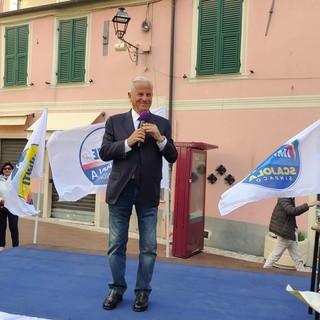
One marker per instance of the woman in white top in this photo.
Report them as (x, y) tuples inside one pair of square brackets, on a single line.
[(5, 214)]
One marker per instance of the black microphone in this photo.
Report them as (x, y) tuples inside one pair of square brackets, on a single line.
[(144, 116)]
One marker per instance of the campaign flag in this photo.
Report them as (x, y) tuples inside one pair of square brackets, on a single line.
[(77, 169), (76, 166), (165, 182), (310, 298), (292, 170), (18, 198)]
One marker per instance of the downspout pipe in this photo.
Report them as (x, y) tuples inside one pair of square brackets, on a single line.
[(173, 5), (167, 193)]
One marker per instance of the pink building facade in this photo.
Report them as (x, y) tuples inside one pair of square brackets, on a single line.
[(242, 75)]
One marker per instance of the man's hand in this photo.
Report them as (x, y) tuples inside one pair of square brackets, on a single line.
[(153, 130), (314, 203), (137, 135), (140, 134)]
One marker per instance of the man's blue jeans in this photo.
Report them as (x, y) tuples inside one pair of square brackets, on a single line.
[(119, 218)]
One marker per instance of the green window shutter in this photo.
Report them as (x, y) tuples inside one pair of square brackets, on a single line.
[(80, 31), (207, 36), (16, 55), (219, 36), (72, 43), (65, 49), (230, 36), (10, 43), (22, 54)]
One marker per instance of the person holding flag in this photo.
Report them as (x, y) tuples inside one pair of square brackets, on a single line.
[(29, 166), (5, 214), (283, 224)]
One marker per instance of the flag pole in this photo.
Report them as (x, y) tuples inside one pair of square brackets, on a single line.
[(36, 223), (167, 214)]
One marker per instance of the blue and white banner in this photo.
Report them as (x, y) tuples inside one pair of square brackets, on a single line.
[(292, 170), (18, 198), (77, 169)]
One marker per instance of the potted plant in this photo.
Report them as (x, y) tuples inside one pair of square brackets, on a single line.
[(285, 262)]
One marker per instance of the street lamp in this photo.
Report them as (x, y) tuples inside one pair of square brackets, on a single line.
[(120, 24)]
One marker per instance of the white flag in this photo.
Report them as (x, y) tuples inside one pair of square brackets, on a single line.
[(77, 169), (312, 299), (18, 198), (165, 182), (292, 170)]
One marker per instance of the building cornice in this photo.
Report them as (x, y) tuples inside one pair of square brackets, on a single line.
[(93, 4), (247, 103), (178, 105)]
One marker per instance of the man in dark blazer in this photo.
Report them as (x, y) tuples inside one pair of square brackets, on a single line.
[(136, 148)]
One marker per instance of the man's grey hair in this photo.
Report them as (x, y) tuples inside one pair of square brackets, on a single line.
[(140, 79)]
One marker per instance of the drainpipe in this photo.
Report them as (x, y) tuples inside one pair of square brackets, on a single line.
[(167, 193), (171, 59)]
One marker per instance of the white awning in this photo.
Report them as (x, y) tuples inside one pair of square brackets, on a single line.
[(68, 120), (17, 119)]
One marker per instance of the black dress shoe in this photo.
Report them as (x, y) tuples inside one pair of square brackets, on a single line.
[(112, 300), (141, 302)]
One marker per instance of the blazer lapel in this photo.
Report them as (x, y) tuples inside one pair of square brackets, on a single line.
[(128, 123)]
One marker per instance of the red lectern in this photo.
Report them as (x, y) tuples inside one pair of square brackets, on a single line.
[(188, 219)]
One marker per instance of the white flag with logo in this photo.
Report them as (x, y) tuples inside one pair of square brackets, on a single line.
[(292, 170), (18, 198), (76, 166), (77, 169)]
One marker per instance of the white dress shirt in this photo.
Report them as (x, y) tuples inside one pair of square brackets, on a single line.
[(136, 121)]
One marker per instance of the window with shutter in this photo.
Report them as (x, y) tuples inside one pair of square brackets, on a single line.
[(72, 44), (16, 55), (219, 36)]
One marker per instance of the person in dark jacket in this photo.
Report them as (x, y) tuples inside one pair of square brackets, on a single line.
[(136, 147), (283, 224)]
